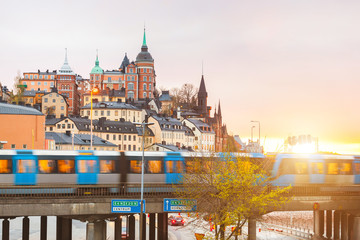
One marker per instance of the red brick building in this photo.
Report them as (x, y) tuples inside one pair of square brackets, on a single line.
[(138, 78)]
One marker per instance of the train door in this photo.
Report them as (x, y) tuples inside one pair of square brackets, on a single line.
[(25, 169), (87, 169), (174, 167), (317, 170), (357, 170)]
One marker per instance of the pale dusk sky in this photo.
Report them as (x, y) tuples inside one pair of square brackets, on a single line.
[(292, 65)]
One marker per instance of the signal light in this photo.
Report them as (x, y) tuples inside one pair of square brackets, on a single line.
[(95, 90)]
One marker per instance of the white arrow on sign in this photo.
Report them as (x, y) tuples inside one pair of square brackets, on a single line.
[(167, 204)]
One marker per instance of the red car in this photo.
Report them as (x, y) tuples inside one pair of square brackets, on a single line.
[(176, 221)]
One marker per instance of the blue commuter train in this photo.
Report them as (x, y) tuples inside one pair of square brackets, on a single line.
[(312, 169), (46, 167)]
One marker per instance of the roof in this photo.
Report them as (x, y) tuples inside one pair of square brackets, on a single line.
[(165, 96), (66, 69), (111, 105), (52, 121), (18, 110), (32, 93), (168, 124), (202, 126), (97, 69), (172, 148), (149, 132), (125, 62), (79, 139), (144, 55)]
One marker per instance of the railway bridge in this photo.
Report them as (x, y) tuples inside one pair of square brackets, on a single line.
[(337, 208)]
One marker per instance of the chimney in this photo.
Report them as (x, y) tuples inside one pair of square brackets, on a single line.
[(102, 121), (178, 113)]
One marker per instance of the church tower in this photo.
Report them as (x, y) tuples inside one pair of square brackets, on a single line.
[(202, 98), (146, 83), (96, 75)]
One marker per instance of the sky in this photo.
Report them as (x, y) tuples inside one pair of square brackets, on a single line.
[(291, 65)]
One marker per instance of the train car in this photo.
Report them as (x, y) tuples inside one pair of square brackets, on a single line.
[(47, 167), (311, 169)]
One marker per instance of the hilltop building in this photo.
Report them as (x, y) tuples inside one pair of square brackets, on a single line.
[(137, 78)]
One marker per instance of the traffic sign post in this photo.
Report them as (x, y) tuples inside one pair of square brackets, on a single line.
[(179, 205), (126, 206)]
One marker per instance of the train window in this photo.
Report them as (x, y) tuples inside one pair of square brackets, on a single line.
[(357, 168), (154, 166), (107, 166), (332, 168), (286, 167), (301, 168), (135, 166), (66, 166), (345, 168), (86, 166), (25, 166), (5, 166), (46, 166), (179, 167), (169, 166), (317, 168)]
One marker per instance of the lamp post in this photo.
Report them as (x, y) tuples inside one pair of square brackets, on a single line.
[(143, 124), (252, 127), (95, 90), (259, 128)]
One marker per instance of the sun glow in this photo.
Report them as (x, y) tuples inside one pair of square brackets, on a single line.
[(304, 148)]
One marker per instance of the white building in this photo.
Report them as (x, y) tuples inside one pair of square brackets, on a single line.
[(204, 135)]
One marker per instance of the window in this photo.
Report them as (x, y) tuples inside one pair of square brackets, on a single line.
[(144, 94), (51, 84), (45, 83), (102, 113), (25, 166), (33, 83), (119, 138), (129, 137), (5, 166), (144, 78), (154, 166), (317, 168), (129, 147), (144, 86), (109, 79), (31, 77), (131, 70), (124, 137), (54, 100), (108, 113), (149, 78), (47, 166), (134, 148), (24, 146), (13, 146), (114, 137), (116, 113), (130, 94), (86, 166), (134, 138), (107, 166), (62, 107), (135, 166), (39, 83), (52, 76), (124, 147), (149, 87), (107, 136), (131, 86)]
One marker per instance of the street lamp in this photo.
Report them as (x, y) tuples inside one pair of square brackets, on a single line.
[(259, 128), (95, 90), (143, 124)]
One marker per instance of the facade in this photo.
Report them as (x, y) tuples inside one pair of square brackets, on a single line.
[(39, 81), (64, 79), (69, 141), (166, 102), (113, 111), (204, 135), (125, 135), (54, 103), (106, 95), (168, 131), (33, 97), (21, 127), (156, 147), (137, 78)]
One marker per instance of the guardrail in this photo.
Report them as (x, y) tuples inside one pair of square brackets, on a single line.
[(294, 231), (150, 190)]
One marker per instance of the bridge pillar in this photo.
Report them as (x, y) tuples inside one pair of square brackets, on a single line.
[(118, 228), (356, 228), (26, 228), (318, 224), (350, 225), (131, 227), (152, 226), (63, 228), (329, 224), (337, 216), (144, 226), (43, 228), (344, 226), (96, 230), (252, 229), (162, 226), (5, 229)]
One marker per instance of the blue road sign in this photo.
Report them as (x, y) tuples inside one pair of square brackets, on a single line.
[(126, 206), (179, 205)]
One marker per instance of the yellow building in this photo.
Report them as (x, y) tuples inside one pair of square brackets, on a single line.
[(54, 103)]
